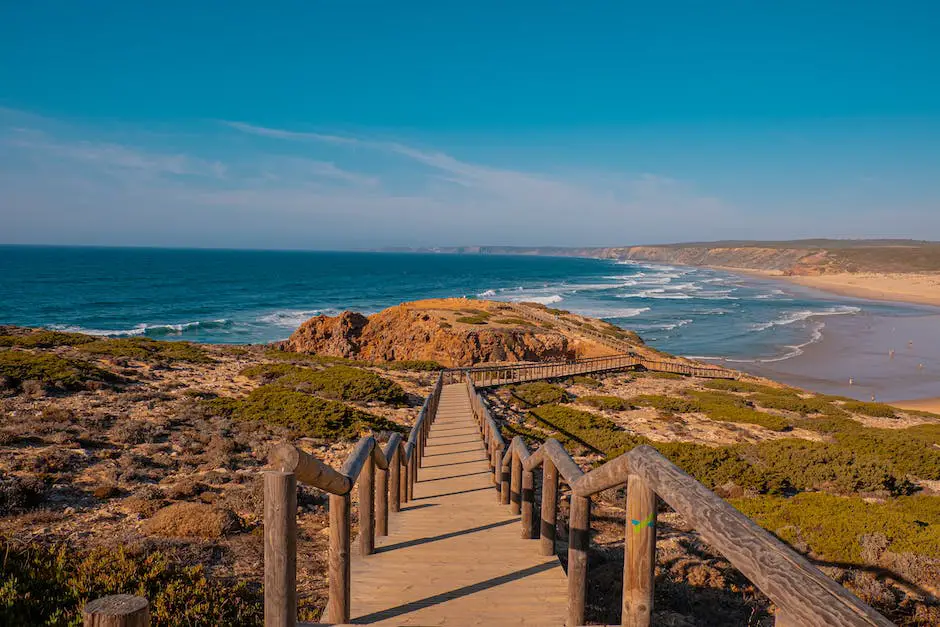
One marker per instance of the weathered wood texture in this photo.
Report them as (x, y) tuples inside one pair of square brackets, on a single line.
[(453, 556), (639, 554), (802, 591), (280, 549), (119, 610)]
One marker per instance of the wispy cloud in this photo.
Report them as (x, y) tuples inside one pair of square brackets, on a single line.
[(311, 189)]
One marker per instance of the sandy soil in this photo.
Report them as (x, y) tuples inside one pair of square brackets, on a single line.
[(922, 288), (923, 404)]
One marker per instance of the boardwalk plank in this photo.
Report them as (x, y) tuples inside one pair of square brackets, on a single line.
[(453, 556)]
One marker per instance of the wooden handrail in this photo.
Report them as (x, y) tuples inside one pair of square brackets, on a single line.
[(802, 593), (385, 479), (485, 376)]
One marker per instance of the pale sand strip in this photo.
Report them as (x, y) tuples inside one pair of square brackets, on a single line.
[(920, 288), (923, 404)]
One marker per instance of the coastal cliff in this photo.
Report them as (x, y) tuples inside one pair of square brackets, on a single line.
[(453, 332)]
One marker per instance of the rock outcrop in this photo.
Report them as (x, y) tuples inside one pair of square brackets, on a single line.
[(437, 330)]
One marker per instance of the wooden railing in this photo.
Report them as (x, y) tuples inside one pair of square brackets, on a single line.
[(385, 479), (803, 595), (485, 376)]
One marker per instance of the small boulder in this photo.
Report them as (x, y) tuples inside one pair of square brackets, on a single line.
[(192, 520)]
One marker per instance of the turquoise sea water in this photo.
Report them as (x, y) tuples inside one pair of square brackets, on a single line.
[(230, 296)]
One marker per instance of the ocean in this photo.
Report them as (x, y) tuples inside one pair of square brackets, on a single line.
[(237, 296)]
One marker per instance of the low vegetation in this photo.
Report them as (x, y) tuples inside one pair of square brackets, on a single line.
[(585, 430), (45, 339), (610, 403), (336, 382), (715, 405), (538, 393), (302, 413), (20, 367), (875, 410), (838, 528), (48, 585), (476, 316), (586, 381), (147, 349)]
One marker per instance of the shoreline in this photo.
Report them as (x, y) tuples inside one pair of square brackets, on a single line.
[(913, 288)]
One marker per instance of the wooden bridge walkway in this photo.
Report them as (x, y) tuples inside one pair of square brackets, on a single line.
[(453, 555)]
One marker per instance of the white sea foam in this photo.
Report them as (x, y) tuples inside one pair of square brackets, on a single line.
[(147, 329), (799, 316), (487, 294), (542, 300), (293, 318)]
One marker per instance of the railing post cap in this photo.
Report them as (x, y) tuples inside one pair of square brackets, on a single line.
[(115, 605)]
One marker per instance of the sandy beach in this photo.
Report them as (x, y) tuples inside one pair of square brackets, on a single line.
[(920, 288)]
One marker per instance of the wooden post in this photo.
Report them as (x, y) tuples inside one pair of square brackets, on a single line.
[(280, 549), (413, 471), (579, 539), (640, 554), (529, 530), (549, 507), (381, 501), (119, 610), (504, 478), (339, 562), (515, 485), (782, 620), (498, 471), (367, 508), (405, 486), (394, 480)]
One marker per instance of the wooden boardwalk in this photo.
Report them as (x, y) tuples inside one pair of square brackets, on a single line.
[(454, 556)]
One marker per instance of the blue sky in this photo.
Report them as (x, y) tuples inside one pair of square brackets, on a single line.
[(356, 124)]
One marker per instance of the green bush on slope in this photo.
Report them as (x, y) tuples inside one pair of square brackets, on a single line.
[(70, 374), (147, 349), (303, 413), (538, 393), (42, 585), (833, 526)]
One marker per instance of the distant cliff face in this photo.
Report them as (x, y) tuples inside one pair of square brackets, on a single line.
[(406, 332), (788, 260)]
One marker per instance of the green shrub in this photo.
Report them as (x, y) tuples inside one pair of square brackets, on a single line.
[(42, 585), (147, 349), (819, 465), (45, 339), (718, 466), (730, 408), (832, 526), (477, 319), (875, 410), (794, 403), (304, 414), (586, 381), (611, 403), (667, 404), (337, 382), (293, 357), (538, 393), (913, 451), (418, 365), (258, 371), (346, 383), (587, 429), (515, 321), (731, 385), (71, 374)]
